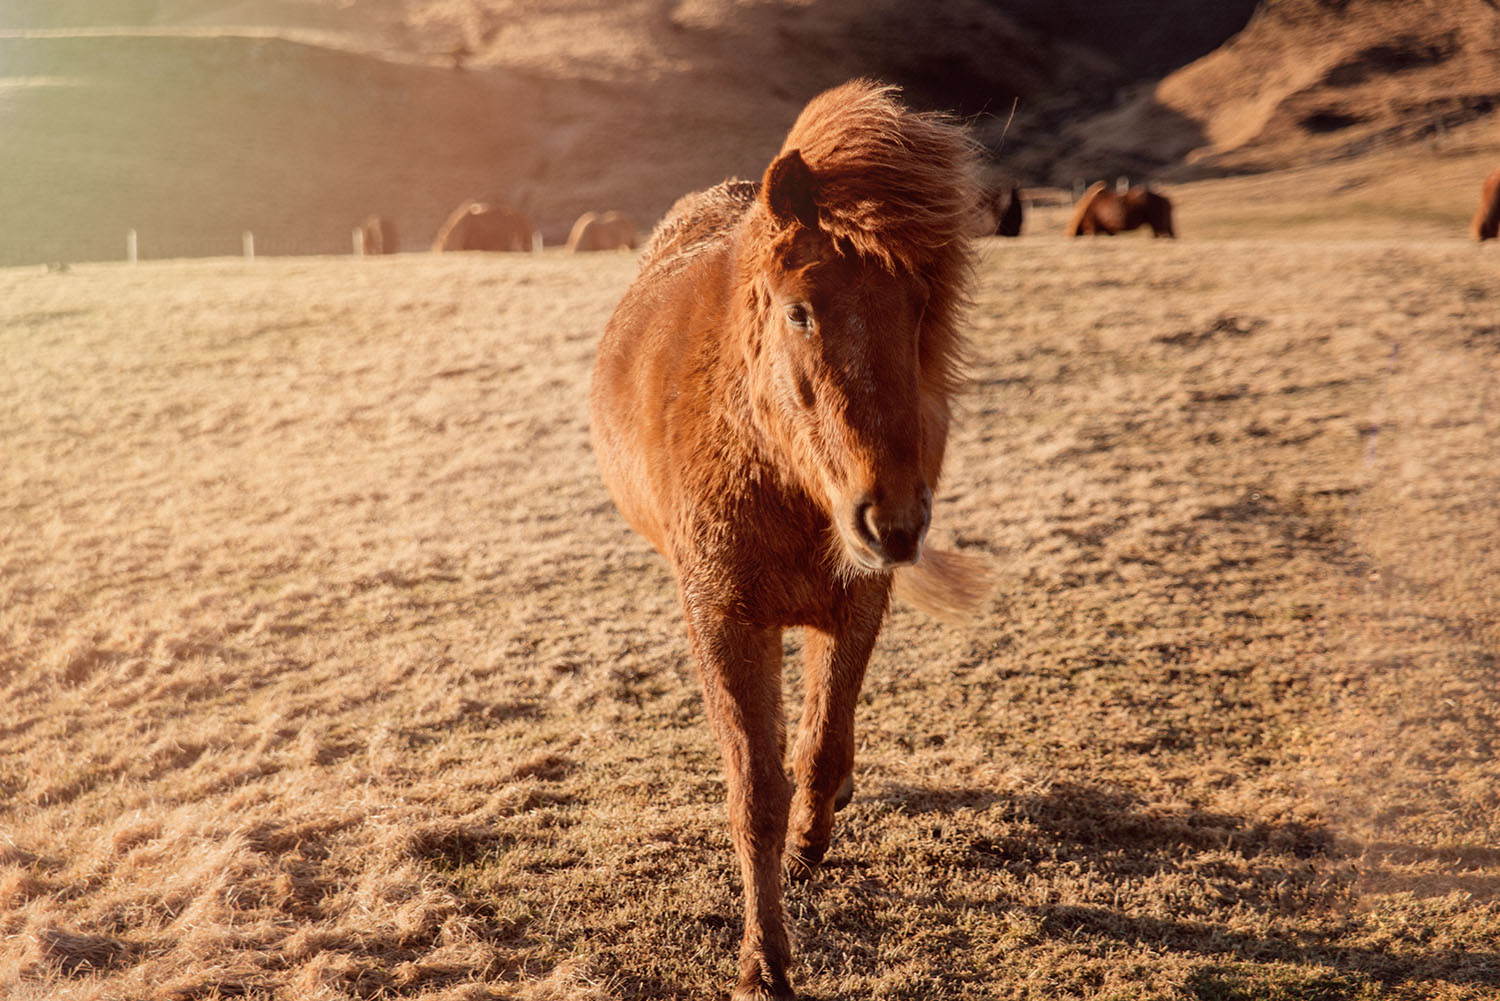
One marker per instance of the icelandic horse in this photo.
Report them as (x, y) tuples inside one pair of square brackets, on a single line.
[(1486, 222), (603, 231), (1100, 210), (485, 226), (770, 406)]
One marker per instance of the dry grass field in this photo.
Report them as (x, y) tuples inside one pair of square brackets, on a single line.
[(327, 669)]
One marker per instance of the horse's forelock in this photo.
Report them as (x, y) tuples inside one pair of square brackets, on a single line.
[(896, 184)]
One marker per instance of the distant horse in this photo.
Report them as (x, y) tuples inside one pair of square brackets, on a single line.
[(379, 236), (1008, 212), (997, 212), (1486, 221), (603, 231), (1100, 210), (770, 407), (484, 226)]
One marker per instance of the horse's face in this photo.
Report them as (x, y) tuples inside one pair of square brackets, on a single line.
[(837, 384)]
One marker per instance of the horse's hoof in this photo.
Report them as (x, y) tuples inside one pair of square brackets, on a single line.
[(799, 869), (803, 860)]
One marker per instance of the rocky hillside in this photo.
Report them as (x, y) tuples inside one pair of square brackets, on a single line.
[(1312, 80)]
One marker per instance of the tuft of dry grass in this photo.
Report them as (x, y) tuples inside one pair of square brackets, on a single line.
[(328, 670)]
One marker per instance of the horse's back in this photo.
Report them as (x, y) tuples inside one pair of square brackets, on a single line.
[(698, 220)]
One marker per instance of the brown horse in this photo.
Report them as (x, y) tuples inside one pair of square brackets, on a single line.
[(1486, 222), (603, 231), (1100, 210), (484, 226), (379, 236), (770, 408), (998, 212)]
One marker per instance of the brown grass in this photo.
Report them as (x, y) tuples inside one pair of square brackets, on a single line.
[(328, 671)]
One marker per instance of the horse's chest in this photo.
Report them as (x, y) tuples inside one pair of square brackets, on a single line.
[(766, 556)]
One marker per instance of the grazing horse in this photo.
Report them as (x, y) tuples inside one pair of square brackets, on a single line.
[(1100, 210), (603, 231), (770, 407), (484, 226), (1486, 221)]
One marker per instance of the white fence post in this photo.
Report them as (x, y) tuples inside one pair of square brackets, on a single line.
[(130, 246), (247, 241)]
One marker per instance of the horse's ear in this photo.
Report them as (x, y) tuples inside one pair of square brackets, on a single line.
[(790, 191)]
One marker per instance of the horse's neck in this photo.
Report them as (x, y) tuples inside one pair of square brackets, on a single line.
[(731, 428)]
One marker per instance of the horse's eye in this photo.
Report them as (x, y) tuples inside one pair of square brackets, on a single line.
[(799, 316)]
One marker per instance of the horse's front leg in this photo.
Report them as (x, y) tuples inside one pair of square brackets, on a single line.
[(740, 668), (823, 761)]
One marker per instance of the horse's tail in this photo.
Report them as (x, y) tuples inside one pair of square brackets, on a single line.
[(947, 585), (1084, 208)]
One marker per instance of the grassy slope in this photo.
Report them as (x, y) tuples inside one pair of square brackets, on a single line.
[(330, 671)]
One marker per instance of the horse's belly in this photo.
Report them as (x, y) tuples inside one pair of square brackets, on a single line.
[(623, 463)]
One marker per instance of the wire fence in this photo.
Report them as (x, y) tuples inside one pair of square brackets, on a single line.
[(145, 245)]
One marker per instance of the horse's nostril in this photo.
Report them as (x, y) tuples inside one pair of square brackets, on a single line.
[(900, 545), (865, 525), (892, 536)]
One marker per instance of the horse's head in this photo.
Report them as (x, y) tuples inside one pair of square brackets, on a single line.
[(841, 380)]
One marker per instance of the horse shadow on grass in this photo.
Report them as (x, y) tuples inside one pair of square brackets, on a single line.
[(1268, 869)]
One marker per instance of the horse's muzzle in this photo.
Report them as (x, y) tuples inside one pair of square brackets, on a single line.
[(888, 535)]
